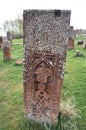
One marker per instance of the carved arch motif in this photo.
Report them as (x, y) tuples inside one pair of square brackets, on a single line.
[(43, 72)]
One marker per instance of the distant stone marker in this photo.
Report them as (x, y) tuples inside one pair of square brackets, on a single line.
[(84, 45), (78, 54), (80, 42), (71, 38), (45, 47), (1, 41), (6, 47), (9, 36)]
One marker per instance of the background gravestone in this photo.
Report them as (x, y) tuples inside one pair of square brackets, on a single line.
[(6, 47), (9, 37), (45, 45), (71, 38), (0, 41)]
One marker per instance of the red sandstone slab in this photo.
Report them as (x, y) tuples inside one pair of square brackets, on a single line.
[(46, 35)]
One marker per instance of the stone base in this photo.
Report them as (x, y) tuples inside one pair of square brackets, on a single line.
[(6, 53), (71, 43), (48, 118)]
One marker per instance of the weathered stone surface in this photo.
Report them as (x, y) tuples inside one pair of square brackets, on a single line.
[(45, 45), (0, 41), (6, 47), (71, 38), (9, 37)]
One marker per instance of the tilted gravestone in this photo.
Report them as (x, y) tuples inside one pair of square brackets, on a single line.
[(71, 38), (6, 47), (45, 45)]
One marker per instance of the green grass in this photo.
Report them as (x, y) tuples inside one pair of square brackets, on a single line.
[(11, 89), (80, 37), (75, 81), (17, 41)]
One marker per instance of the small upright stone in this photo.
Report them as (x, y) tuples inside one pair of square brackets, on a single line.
[(6, 47), (9, 37), (84, 45), (71, 38), (1, 41), (79, 54)]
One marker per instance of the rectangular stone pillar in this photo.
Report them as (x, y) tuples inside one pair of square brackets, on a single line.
[(0, 41), (71, 38), (6, 47), (45, 46), (9, 36)]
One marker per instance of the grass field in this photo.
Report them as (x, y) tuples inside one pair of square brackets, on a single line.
[(17, 41), (11, 88)]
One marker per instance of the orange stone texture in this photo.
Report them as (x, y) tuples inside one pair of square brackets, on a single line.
[(46, 35)]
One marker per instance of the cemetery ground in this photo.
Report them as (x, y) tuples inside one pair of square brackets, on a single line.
[(11, 88)]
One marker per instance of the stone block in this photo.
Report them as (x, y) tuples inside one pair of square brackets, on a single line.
[(45, 45), (6, 47), (71, 38), (0, 41)]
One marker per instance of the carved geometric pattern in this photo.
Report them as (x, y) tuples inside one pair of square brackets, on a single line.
[(43, 72), (45, 46)]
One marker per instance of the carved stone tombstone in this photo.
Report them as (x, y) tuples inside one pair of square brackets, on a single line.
[(6, 47), (45, 46), (9, 36), (71, 38)]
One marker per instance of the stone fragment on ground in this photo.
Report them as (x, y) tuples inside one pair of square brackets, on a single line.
[(19, 62)]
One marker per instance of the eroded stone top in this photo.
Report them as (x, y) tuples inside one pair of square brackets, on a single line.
[(45, 29), (71, 32), (46, 34), (6, 43)]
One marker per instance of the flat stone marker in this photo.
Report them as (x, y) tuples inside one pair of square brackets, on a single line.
[(19, 62), (45, 45)]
